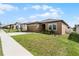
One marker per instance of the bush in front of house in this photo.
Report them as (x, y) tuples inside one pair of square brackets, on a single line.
[(74, 37), (45, 31), (48, 32)]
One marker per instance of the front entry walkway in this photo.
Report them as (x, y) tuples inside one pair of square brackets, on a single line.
[(12, 48)]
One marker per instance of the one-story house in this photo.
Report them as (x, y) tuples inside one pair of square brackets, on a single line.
[(12, 26), (59, 26), (24, 26)]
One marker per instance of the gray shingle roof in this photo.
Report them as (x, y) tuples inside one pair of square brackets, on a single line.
[(48, 20)]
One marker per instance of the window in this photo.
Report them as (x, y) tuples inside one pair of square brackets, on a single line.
[(53, 26)]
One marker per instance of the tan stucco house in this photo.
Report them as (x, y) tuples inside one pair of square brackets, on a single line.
[(59, 26)]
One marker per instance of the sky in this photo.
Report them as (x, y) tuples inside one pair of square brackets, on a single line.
[(30, 12)]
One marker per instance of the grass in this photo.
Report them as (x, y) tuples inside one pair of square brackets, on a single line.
[(48, 45), (11, 30), (1, 54)]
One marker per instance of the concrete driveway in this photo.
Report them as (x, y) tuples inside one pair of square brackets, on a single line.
[(18, 33)]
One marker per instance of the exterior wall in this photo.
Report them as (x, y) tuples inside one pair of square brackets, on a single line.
[(34, 27), (64, 29), (59, 27), (14, 26), (24, 27)]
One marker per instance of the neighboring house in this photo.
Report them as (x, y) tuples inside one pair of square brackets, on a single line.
[(35, 27), (24, 26), (77, 28), (12, 26), (59, 26), (7, 26)]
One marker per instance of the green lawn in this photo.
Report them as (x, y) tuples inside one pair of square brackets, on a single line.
[(48, 45), (0, 49), (11, 30)]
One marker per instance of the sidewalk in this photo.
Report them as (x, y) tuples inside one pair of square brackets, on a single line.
[(12, 48)]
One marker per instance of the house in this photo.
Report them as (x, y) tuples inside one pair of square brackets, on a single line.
[(12, 26), (59, 26), (23, 26), (77, 28), (35, 27)]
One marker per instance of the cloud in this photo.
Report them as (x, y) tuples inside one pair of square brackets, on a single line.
[(49, 12), (36, 7), (44, 14), (50, 15), (32, 17), (54, 13), (25, 8), (46, 7), (1, 12), (6, 7), (78, 18), (41, 7), (21, 19)]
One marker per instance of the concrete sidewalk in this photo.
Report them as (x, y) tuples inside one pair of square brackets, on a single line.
[(12, 48)]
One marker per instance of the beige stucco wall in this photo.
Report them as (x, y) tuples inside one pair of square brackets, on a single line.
[(34, 27), (24, 27), (64, 29), (14, 26), (59, 27)]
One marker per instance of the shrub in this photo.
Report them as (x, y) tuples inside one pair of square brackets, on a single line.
[(74, 37)]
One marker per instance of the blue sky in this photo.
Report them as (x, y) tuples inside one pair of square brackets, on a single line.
[(30, 12)]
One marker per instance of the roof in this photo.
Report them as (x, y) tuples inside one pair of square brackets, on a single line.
[(54, 20), (34, 23), (47, 21)]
